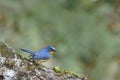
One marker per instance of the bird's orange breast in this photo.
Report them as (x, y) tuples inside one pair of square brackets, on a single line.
[(52, 52)]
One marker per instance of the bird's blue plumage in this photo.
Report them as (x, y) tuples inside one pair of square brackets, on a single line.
[(43, 54)]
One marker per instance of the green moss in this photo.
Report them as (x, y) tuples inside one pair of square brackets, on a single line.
[(61, 71)]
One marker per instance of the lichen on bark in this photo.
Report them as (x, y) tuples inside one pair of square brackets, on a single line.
[(14, 66)]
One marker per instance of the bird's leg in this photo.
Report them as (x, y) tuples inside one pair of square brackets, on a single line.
[(33, 60)]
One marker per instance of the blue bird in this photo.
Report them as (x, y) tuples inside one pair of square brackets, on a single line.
[(43, 54)]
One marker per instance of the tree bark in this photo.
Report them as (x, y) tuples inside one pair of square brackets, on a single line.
[(14, 66)]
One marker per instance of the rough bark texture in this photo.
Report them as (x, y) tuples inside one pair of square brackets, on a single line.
[(14, 67)]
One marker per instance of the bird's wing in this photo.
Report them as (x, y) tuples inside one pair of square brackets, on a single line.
[(42, 55)]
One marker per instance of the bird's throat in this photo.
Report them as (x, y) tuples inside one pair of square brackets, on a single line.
[(52, 52)]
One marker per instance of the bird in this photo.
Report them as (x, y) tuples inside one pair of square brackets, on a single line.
[(42, 55)]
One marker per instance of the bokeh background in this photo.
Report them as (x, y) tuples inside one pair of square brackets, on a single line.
[(86, 33)]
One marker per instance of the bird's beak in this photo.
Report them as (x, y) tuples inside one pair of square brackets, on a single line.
[(52, 52)]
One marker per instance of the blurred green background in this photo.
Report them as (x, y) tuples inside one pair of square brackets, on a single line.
[(85, 33)]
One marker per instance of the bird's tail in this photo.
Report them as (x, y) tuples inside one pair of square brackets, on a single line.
[(28, 51)]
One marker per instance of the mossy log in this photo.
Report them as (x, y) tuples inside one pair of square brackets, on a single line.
[(13, 66)]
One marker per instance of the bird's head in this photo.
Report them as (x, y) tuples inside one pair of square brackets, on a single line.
[(51, 49)]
